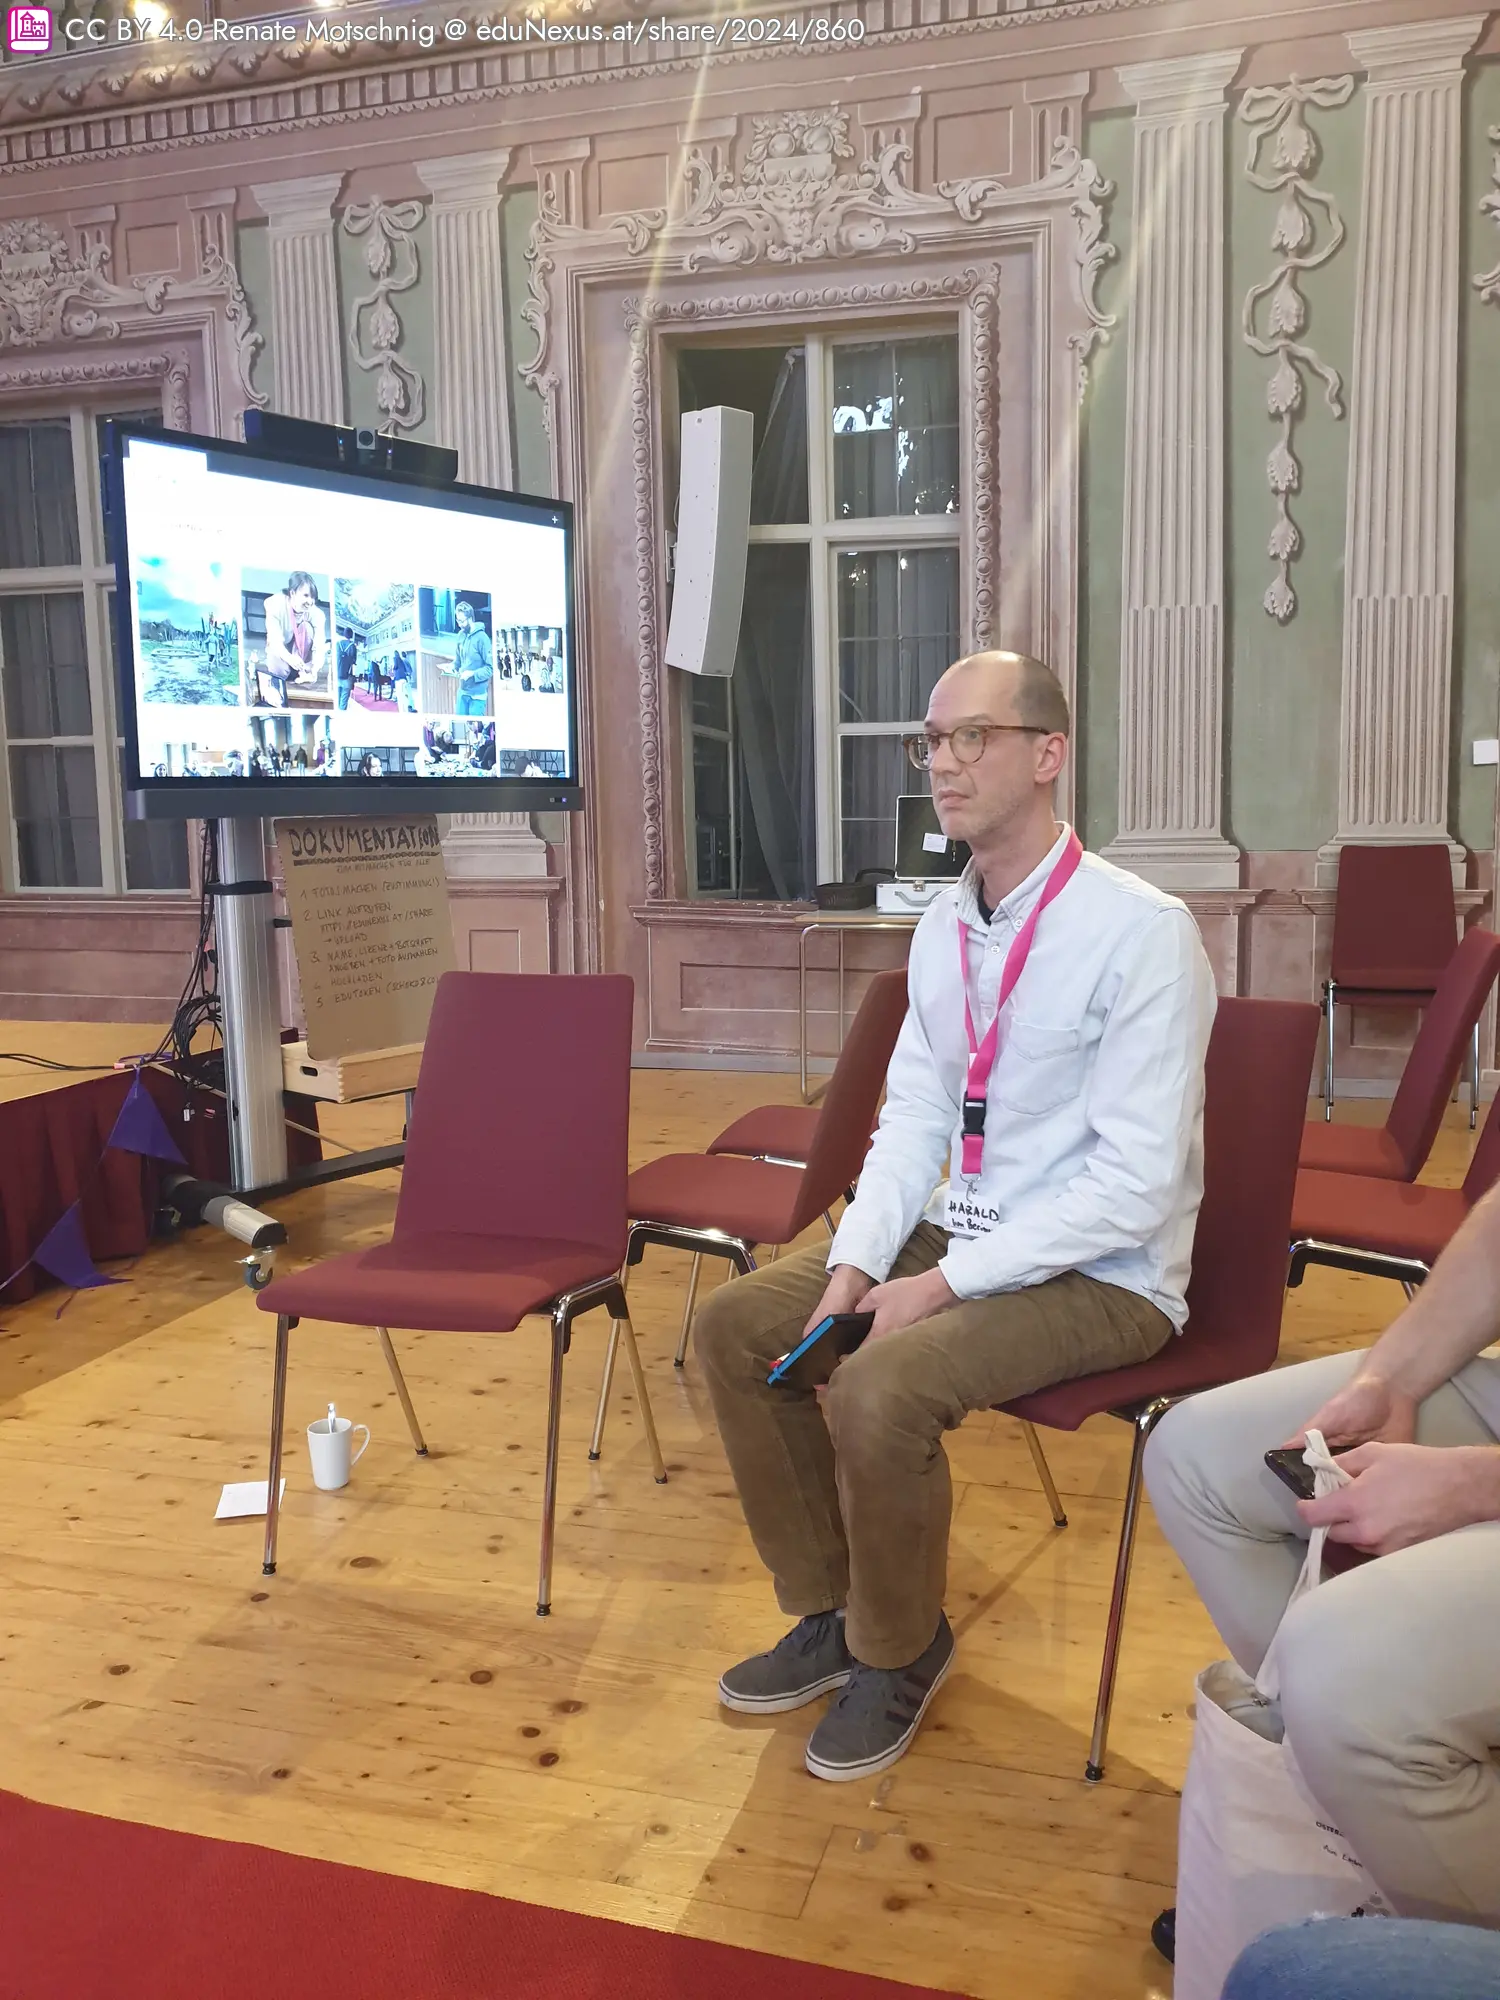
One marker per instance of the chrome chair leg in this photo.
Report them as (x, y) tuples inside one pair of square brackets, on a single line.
[(1474, 1079), (402, 1392), (284, 1325), (549, 1476), (605, 1385), (680, 1358), (1144, 1423), (828, 1223), (1044, 1473), (1330, 1004), (642, 1396)]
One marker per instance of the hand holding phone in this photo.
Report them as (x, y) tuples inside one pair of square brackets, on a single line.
[(811, 1363), (1292, 1469)]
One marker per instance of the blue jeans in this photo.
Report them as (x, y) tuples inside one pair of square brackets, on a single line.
[(472, 701), (1368, 1958)]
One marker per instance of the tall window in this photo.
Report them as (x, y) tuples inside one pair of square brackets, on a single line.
[(60, 778), (851, 607)]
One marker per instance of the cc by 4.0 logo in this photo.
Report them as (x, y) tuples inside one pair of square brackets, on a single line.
[(28, 31)]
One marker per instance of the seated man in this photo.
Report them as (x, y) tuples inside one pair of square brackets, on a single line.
[(1060, 1246), (1390, 1672)]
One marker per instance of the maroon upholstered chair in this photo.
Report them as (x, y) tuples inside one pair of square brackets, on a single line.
[(723, 1205), (1260, 1057), (1394, 930), (512, 1201), (782, 1132), (1386, 1229), (1397, 1150)]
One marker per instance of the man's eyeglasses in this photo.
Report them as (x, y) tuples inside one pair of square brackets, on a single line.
[(966, 742)]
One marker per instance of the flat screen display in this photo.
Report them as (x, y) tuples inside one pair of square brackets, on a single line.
[(297, 638)]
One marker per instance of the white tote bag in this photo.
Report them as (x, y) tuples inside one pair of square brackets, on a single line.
[(1254, 1849)]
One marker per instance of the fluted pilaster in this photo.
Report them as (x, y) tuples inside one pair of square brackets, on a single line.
[(473, 417), (1172, 637), (1399, 549), (306, 341), (473, 402)]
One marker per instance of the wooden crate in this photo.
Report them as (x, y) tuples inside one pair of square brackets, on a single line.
[(346, 1079)]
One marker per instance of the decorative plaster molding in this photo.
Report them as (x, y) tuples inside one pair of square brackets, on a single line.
[(98, 372), (1180, 85), (793, 204), (1421, 52), (1171, 682), (1278, 113), (1487, 283), (132, 103), (472, 369), (978, 288), (305, 345), (47, 295), (1399, 538), (400, 393), (648, 657)]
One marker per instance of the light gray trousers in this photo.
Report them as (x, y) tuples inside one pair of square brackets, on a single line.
[(1390, 1673)]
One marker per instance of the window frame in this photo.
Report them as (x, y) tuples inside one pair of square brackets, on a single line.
[(826, 537), (93, 579)]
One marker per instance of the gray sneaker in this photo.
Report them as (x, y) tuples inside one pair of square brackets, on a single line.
[(875, 1718), (810, 1660)]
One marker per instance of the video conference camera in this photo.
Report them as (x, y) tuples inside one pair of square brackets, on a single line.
[(354, 449)]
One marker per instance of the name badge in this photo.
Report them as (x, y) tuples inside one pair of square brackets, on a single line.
[(967, 1217)]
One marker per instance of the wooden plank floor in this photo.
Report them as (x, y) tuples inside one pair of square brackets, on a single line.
[(391, 1699)]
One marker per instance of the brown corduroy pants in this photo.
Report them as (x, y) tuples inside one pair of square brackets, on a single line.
[(849, 1503)]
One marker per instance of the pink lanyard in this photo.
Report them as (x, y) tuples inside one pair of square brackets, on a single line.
[(982, 1054)]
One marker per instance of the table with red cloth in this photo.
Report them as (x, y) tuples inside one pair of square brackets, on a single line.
[(54, 1151)]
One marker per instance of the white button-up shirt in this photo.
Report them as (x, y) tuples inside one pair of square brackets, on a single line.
[(1093, 1141)]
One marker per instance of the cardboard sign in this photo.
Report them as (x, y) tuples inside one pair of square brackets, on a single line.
[(369, 906)]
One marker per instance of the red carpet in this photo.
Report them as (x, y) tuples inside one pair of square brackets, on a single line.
[(98, 1909), (382, 707)]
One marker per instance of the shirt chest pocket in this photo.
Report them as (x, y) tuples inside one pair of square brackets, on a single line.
[(1040, 1069)]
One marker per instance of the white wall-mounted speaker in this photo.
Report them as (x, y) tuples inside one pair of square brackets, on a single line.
[(713, 533)]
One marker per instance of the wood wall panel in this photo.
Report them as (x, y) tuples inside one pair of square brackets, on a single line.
[(67, 959)]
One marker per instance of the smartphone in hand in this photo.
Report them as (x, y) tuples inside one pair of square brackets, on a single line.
[(811, 1363), (1292, 1469)]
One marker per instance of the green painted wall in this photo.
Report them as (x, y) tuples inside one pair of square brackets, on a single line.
[(533, 458), (1476, 691), (1282, 681), (1109, 142)]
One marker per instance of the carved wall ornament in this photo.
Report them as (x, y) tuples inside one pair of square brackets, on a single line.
[(1087, 191), (1487, 283), (1276, 117), (49, 295), (794, 204), (46, 292), (373, 81), (794, 200), (387, 228)]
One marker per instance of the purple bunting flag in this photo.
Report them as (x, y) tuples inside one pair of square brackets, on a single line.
[(64, 1251), (140, 1127)]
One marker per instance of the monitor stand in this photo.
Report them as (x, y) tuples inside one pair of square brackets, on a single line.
[(245, 925)]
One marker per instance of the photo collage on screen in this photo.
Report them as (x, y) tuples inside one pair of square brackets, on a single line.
[(273, 669)]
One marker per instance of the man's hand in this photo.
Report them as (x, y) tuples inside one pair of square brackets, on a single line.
[(903, 1301), (1406, 1493), (847, 1289), (1367, 1411)]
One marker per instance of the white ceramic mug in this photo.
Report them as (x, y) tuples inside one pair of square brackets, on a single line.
[(328, 1442)]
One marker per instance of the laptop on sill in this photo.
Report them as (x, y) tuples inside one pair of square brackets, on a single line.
[(926, 860)]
